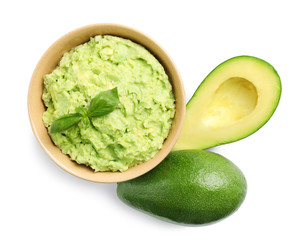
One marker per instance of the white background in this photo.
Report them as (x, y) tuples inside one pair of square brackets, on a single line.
[(41, 201)]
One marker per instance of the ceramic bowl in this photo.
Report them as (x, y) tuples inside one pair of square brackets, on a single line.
[(50, 60)]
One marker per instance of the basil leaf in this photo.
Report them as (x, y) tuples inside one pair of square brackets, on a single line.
[(105, 102), (65, 122)]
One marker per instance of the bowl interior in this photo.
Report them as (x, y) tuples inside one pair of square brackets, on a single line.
[(50, 60)]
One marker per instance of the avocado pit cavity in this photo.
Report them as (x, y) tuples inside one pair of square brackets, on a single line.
[(234, 99)]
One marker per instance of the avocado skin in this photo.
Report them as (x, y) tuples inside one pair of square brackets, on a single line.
[(189, 186)]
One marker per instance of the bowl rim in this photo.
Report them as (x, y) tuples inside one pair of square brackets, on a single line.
[(162, 57)]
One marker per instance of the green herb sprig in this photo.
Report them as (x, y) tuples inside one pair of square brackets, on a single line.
[(102, 104)]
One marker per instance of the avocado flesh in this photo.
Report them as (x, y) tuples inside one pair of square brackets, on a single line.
[(189, 187), (236, 99)]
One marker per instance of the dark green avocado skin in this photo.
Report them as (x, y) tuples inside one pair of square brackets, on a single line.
[(189, 187)]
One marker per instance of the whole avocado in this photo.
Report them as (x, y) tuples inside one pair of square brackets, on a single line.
[(189, 186)]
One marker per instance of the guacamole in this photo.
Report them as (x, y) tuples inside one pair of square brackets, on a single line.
[(135, 131)]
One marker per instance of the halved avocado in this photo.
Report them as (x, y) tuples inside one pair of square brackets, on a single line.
[(235, 100)]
